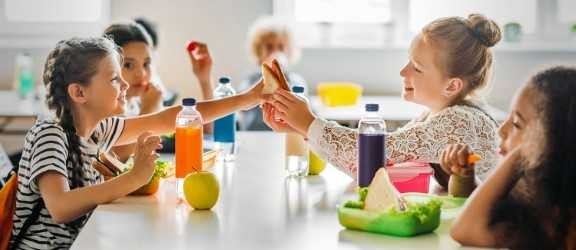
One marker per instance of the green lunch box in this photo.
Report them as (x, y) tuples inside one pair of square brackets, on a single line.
[(420, 217)]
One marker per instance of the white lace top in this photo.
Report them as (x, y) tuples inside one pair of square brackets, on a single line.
[(421, 139)]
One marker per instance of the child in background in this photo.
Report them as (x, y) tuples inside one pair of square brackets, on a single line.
[(449, 61), (57, 186), (528, 202), (144, 95), (169, 97)]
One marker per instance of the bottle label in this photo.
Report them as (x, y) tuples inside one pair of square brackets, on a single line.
[(225, 129)]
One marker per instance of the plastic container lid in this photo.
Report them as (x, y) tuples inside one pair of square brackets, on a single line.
[(224, 80), (188, 101), (372, 107), (298, 89), (406, 173)]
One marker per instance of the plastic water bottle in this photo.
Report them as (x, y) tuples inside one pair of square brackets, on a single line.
[(189, 144), (225, 127), (24, 76), (371, 145), (296, 147)]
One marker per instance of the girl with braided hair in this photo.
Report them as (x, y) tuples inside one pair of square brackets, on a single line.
[(57, 186)]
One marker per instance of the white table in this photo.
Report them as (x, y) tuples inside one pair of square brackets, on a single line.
[(392, 108), (11, 105), (258, 208), (13, 109)]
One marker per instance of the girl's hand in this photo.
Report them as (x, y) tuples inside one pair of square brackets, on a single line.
[(278, 126), (254, 95), (151, 99), (201, 61), (292, 110), (145, 157), (454, 160)]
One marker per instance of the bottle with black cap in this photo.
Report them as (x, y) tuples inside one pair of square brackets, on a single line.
[(371, 145), (296, 147), (189, 144), (225, 127)]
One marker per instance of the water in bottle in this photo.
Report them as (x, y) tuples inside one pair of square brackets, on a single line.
[(225, 127)]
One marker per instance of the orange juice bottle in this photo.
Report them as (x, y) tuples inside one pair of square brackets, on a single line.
[(188, 139)]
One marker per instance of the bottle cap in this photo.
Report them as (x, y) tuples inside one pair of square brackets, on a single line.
[(372, 107), (224, 80), (298, 89), (188, 102)]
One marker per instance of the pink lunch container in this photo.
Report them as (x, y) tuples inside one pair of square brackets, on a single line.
[(411, 176)]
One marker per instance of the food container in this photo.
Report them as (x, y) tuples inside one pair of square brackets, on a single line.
[(420, 217), (411, 177), (334, 94)]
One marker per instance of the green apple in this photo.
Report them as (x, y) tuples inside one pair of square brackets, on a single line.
[(201, 190)]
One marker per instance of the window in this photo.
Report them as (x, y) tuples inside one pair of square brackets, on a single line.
[(29, 11), (390, 24), (501, 11), (337, 23), (342, 11), (566, 11)]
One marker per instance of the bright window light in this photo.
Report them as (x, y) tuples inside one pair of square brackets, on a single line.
[(501, 11)]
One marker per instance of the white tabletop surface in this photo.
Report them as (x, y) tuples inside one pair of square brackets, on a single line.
[(258, 208), (11, 105), (392, 108)]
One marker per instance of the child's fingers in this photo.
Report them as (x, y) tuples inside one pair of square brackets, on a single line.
[(152, 143), (462, 154), (142, 138), (201, 51), (452, 154), (286, 95), (280, 106), (283, 99), (444, 161), (153, 157), (269, 115)]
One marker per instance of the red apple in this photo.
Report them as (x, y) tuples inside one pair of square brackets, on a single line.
[(191, 45)]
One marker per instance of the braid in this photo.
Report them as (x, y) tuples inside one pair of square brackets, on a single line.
[(55, 78)]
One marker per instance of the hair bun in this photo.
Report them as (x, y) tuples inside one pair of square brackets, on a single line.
[(486, 30)]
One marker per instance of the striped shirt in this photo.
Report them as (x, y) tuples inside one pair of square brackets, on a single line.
[(45, 149)]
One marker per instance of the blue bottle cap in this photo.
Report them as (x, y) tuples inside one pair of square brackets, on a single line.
[(188, 102), (224, 80), (298, 89), (372, 107)]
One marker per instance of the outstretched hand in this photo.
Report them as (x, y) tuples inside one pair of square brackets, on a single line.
[(292, 110)]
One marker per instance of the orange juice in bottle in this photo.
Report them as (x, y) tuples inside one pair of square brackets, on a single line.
[(188, 151), (188, 141)]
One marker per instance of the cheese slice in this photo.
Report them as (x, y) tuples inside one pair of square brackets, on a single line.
[(382, 195)]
